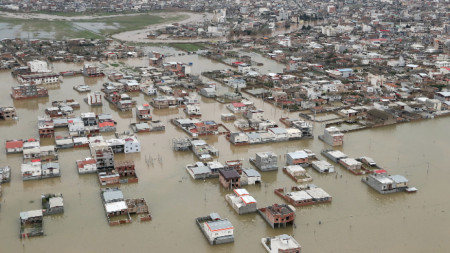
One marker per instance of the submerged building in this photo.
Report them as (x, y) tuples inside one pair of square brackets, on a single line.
[(241, 201), (216, 229), (281, 244), (383, 183)]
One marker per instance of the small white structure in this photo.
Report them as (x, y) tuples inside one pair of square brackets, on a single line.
[(250, 176), (323, 166), (281, 243)]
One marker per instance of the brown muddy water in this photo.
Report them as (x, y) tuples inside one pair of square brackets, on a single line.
[(357, 220)]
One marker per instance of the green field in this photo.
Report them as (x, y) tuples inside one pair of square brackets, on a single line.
[(97, 28)]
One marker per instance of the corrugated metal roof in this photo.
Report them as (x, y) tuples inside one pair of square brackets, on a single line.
[(219, 225)]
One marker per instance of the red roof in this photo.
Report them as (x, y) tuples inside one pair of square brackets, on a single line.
[(105, 124), (84, 162), (380, 171), (238, 104), (14, 144)]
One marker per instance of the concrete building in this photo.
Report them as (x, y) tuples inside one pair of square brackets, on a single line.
[(250, 176), (8, 113), (229, 178), (52, 204), (297, 173), (265, 161), (94, 99), (37, 66), (216, 229), (241, 201), (383, 183), (332, 136), (86, 166), (304, 195), (298, 157), (323, 166), (103, 155), (37, 170), (31, 223), (278, 215), (28, 91), (281, 244)]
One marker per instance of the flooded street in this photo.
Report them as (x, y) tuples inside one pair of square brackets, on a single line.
[(358, 219)]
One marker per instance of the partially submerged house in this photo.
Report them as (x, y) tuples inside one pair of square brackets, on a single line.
[(8, 113), (229, 178), (199, 170), (31, 223), (241, 201), (140, 208), (37, 170), (334, 155), (52, 204), (281, 244), (304, 195), (383, 183), (353, 165), (265, 161), (103, 155), (202, 150), (278, 215), (332, 136), (216, 229), (297, 173), (250, 176), (108, 177), (323, 166), (5, 174), (126, 171), (299, 157), (143, 112), (14, 146), (115, 206)]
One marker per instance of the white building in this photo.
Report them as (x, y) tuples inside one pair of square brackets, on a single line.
[(250, 176), (333, 136), (88, 165), (132, 145), (281, 243), (323, 166), (218, 228), (241, 201), (37, 66)]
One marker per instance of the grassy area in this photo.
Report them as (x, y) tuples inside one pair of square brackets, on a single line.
[(60, 29), (188, 47), (43, 29), (129, 23)]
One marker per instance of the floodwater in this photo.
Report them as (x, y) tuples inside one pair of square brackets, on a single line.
[(8, 30), (96, 27), (357, 220)]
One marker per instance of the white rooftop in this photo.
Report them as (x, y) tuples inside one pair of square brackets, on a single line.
[(115, 206)]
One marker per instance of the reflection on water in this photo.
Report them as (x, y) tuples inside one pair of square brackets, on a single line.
[(96, 27), (417, 150), (11, 31)]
